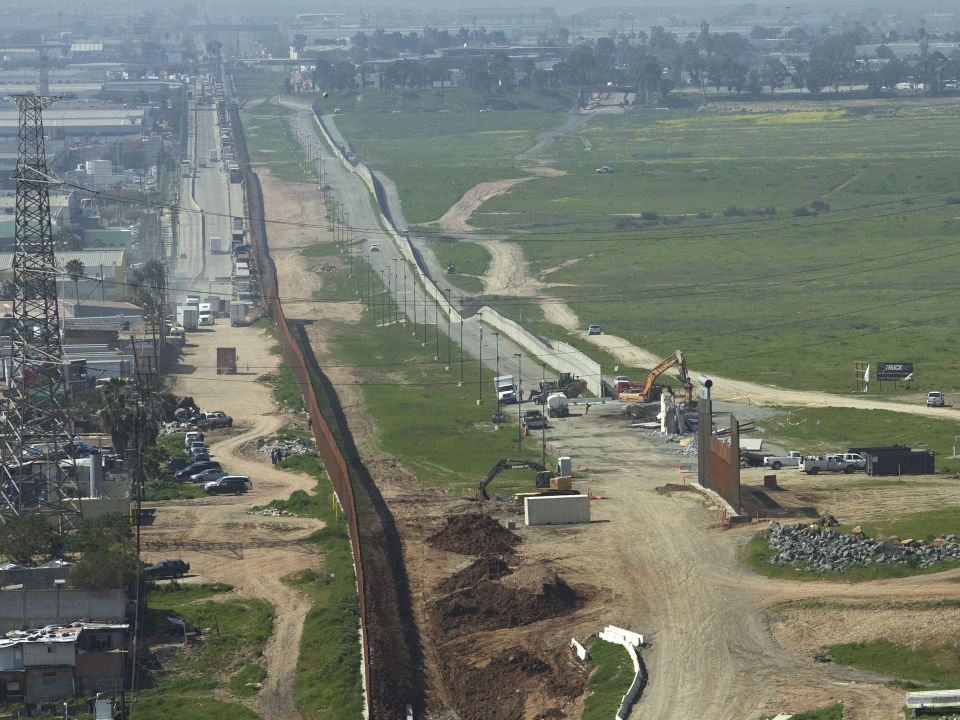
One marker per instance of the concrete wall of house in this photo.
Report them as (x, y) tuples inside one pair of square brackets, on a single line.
[(40, 654), (48, 683), (26, 609)]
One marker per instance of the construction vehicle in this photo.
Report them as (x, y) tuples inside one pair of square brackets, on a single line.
[(649, 391), (568, 384), (546, 479)]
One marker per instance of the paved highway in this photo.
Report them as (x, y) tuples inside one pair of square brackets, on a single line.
[(208, 201)]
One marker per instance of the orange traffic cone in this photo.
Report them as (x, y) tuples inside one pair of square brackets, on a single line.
[(526, 431)]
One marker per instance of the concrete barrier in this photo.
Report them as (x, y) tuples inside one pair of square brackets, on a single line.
[(630, 641), (579, 649), (558, 355)]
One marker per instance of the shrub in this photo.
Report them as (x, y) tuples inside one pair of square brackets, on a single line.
[(802, 211), (820, 205)]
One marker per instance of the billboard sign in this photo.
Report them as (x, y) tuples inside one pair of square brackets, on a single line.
[(894, 370)]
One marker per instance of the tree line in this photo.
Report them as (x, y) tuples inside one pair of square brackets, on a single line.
[(655, 63)]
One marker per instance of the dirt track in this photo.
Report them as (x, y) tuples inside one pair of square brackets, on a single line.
[(216, 535), (675, 575)]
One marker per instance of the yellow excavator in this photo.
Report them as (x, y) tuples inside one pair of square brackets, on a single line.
[(649, 391)]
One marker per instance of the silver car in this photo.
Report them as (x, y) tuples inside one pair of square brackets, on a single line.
[(208, 475)]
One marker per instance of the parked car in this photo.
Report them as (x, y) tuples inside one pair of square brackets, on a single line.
[(229, 485), (191, 437), (604, 170), (177, 464), (935, 398), (196, 452), (375, 247), (166, 569), (218, 419), (791, 459), (208, 475), (845, 462), (594, 330), (195, 467)]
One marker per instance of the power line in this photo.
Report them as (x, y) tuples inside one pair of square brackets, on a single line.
[(690, 232)]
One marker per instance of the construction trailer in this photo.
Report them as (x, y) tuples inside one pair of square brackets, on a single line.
[(226, 361)]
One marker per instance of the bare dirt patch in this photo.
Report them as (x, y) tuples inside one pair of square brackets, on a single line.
[(457, 218), (807, 630), (508, 272)]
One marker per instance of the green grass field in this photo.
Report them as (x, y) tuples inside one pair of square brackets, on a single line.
[(609, 681), (234, 632), (270, 141), (435, 157), (927, 667), (697, 231)]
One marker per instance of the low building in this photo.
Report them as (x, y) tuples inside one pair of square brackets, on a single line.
[(60, 662)]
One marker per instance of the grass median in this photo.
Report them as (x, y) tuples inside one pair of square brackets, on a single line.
[(610, 678)]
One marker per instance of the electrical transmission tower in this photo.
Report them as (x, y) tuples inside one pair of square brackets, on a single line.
[(35, 426)]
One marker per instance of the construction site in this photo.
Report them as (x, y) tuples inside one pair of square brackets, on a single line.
[(654, 513)]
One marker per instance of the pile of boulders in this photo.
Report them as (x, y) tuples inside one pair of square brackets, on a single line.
[(819, 549)]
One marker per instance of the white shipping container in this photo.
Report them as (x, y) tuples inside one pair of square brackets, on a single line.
[(238, 313), (556, 509)]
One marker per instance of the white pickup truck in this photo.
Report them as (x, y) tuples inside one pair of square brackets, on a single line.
[(846, 462), (791, 459)]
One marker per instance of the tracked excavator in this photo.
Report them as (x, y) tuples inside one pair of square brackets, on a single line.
[(543, 475), (649, 391)]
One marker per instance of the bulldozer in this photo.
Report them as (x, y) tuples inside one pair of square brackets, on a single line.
[(568, 384), (649, 391), (546, 479)]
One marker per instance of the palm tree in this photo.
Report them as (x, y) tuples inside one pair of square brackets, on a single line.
[(75, 271), (117, 413)]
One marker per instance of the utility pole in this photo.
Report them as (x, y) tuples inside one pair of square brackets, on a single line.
[(480, 359), (461, 341), (436, 326), (519, 358), (414, 333), (496, 334), (449, 334)]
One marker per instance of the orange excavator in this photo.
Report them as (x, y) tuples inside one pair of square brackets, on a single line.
[(649, 391)]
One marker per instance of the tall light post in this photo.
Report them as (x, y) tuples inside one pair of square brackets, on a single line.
[(396, 284), (543, 428), (519, 357), (404, 293), (383, 287), (480, 357), (436, 326), (497, 335), (449, 334), (461, 341), (414, 333)]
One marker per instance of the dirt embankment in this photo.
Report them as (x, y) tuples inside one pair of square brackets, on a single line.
[(481, 621)]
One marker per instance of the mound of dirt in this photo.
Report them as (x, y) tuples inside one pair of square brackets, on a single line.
[(485, 568), (528, 595), (474, 534), (514, 684)]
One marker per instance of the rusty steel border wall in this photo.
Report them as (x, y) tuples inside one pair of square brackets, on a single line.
[(333, 460)]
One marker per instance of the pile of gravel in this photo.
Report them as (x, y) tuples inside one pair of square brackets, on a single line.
[(819, 549)]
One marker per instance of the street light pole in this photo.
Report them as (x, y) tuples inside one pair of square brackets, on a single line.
[(497, 335), (396, 284), (480, 358), (449, 334), (414, 307), (436, 326), (404, 293), (519, 358), (461, 340), (543, 428)]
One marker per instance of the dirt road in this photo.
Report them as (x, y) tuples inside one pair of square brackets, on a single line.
[(216, 535), (675, 576)]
